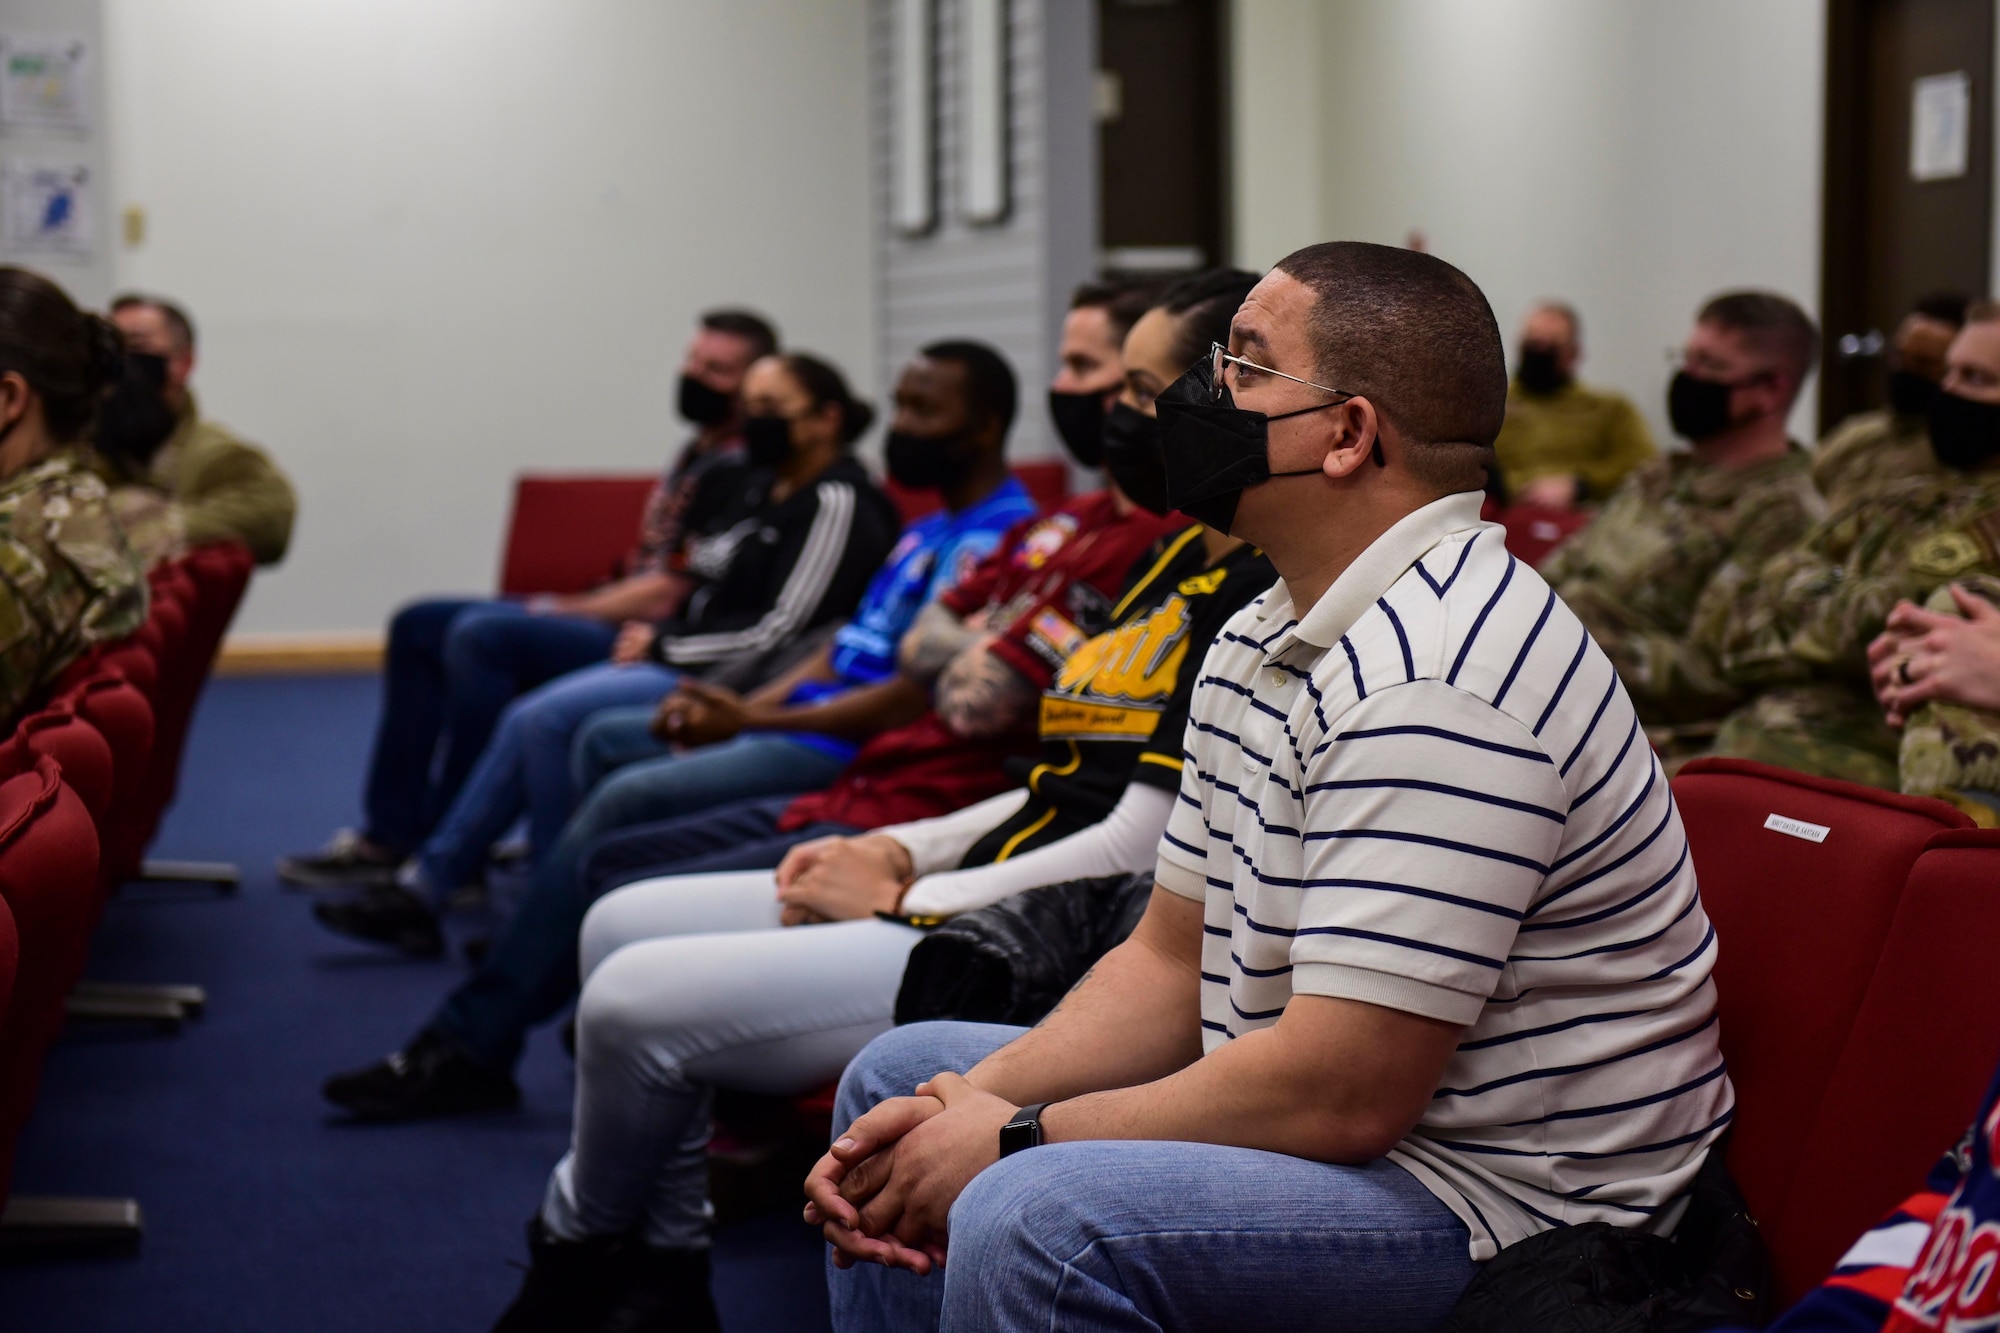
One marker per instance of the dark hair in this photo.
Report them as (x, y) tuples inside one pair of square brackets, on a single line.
[(751, 328), (1417, 338), (1203, 304), (1944, 307), (990, 387), (67, 356), (178, 323), (1773, 325), (1121, 302), (1569, 317), (823, 384)]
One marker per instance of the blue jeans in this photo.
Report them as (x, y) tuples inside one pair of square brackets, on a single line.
[(531, 971), (452, 665), (526, 766), (610, 739), (1131, 1236)]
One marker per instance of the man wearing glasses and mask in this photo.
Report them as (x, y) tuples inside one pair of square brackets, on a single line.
[(1687, 530), (1424, 972)]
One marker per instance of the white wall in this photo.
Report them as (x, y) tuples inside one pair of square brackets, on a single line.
[(88, 278), (1628, 155), (431, 244)]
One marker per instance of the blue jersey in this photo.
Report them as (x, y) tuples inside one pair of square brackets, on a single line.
[(933, 553)]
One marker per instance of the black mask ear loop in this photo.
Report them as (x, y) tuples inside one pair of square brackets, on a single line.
[(1375, 450)]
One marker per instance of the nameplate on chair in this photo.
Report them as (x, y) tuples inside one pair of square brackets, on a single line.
[(1797, 828)]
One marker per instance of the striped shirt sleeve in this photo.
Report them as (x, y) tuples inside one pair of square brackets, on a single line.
[(815, 562), (1429, 821)]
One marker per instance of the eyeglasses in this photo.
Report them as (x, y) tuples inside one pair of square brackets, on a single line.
[(1219, 362)]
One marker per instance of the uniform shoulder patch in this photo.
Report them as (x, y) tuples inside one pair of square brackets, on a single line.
[(1947, 554)]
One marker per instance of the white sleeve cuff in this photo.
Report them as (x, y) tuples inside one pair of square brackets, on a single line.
[(1122, 843), (941, 842)]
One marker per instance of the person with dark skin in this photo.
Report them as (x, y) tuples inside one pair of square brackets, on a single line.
[(453, 664)]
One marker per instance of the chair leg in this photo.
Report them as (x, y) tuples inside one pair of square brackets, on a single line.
[(33, 1225), (162, 1014), (221, 874), (193, 1000)]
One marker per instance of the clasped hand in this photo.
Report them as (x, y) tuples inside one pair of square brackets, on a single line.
[(697, 713), (1923, 655), (883, 1193), (842, 879)]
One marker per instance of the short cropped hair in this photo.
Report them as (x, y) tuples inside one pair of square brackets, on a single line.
[(1121, 302), (1202, 304), (750, 327), (1569, 317), (991, 391), (179, 327), (1944, 307), (1773, 325), (1417, 338)]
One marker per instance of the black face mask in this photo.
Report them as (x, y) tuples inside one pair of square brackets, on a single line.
[(702, 405), (1910, 394), (134, 420), (1213, 451), (1698, 409), (1079, 419), (925, 462), (1540, 371), (1132, 457), (1964, 433), (767, 441)]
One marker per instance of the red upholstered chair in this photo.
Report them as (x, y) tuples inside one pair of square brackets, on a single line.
[(48, 878), (10, 958), (1918, 1058), (208, 584), (1532, 532), (1801, 877), (120, 713), (570, 533), (77, 747)]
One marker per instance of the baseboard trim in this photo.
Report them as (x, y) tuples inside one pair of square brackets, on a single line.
[(298, 654)]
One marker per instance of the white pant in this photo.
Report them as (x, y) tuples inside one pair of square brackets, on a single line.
[(689, 985)]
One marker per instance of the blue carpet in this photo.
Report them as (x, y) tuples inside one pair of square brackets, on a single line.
[(263, 1210)]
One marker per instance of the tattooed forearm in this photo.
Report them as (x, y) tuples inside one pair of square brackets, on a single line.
[(936, 638), (979, 696)]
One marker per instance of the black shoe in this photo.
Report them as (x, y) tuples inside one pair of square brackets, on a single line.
[(666, 1291), (349, 860), (430, 1077), (569, 1286), (386, 914)]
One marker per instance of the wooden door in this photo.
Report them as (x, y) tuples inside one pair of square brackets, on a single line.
[(1909, 177), (1160, 134)]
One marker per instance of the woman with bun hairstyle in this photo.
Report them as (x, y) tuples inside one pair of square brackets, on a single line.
[(789, 560), (67, 578)]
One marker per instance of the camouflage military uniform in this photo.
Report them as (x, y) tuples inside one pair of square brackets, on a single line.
[(67, 578), (1666, 549), (1799, 634), (1870, 450), (1948, 749)]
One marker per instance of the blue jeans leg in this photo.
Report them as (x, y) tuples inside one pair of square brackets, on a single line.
[(531, 971), (608, 741), (1130, 1236), (406, 734), (493, 654), (526, 767)]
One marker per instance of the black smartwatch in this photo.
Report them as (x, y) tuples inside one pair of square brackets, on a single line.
[(1023, 1131)]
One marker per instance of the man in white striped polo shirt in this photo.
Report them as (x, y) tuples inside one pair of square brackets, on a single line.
[(1424, 972)]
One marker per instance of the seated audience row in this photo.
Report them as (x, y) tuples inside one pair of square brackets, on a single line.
[(1424, 934)]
